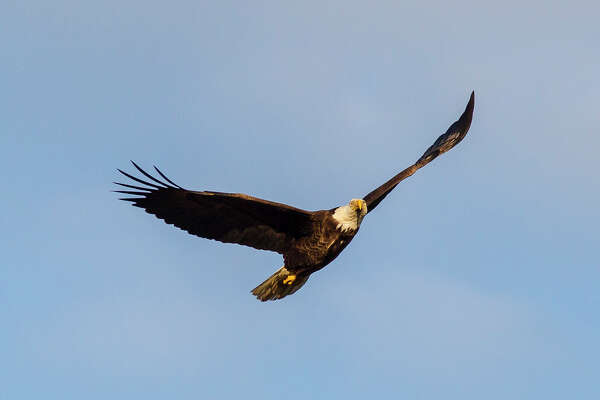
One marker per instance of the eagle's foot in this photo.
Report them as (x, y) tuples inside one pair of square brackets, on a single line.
[(289, 280)]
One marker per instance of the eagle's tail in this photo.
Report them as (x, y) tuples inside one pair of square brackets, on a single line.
[(279, 285)]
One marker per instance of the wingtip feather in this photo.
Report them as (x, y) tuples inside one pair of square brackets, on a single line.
[(165, 177), (468, 113), (147, 175), (140, 180)]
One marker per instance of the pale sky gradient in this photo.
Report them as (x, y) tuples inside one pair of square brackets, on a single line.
[(476, 278)]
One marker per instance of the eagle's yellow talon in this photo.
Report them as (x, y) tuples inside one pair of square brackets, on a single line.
[(289, 280)]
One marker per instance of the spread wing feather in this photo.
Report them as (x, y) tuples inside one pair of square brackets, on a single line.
[(227, 217), (448, 140)]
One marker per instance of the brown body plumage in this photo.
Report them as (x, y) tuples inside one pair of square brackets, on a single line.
[(308, 240)]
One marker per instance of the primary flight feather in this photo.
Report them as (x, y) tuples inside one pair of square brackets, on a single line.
[(308, 240)]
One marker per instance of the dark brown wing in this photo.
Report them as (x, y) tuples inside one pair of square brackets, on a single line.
[(448, 140), (227, 217)]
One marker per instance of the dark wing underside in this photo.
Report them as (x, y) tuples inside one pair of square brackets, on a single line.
[(448, 140), (227, 217)]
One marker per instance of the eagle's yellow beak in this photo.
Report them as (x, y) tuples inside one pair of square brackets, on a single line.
[(358, 205)]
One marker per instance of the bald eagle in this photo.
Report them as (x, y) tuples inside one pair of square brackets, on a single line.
[(308, 240)]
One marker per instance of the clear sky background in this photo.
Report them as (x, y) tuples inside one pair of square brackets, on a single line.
[(476, 278)]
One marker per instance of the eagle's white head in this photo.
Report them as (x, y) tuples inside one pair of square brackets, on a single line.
[(350, 216)]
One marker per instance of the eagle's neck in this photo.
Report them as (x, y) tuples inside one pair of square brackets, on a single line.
[(347, 219)]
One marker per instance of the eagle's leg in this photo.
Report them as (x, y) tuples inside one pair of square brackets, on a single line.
[(282, 283)]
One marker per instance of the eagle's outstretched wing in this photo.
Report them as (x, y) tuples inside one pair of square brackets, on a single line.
[(448, 140), (227, 217)]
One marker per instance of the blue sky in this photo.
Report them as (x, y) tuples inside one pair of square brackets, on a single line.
[(476, 278)]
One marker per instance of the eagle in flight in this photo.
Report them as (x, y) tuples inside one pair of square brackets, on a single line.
[(308, 240)]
